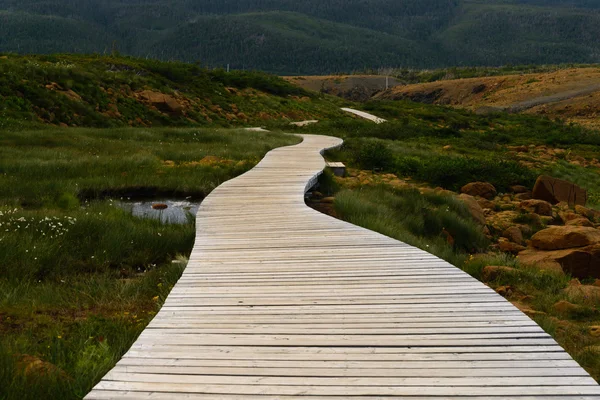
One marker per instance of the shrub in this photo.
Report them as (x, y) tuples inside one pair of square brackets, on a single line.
[(373, 155)]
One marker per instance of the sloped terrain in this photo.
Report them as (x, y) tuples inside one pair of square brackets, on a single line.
[(310, 37), (103, 91), (570, 94)]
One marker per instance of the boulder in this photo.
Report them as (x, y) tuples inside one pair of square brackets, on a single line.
[(565, 237), (513, 234), (580, 221), (544, 260), (519, 189), (567, 216), (563, 307), (481, 189), (523, 196), (161, 101), (484, 203), (594, 215), (583, 293), (474, 208), (539, 207), (555, 190), (583, 262), (491, 272), (510, 247)]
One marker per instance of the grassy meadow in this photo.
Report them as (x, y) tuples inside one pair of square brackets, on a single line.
[(79, 277)]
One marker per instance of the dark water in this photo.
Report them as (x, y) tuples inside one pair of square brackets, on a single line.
[(177, 211)]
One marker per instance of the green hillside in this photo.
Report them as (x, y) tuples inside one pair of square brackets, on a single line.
[(113, 91), (310, 37)]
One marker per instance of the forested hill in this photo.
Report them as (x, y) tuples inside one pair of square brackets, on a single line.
[(311, 36)]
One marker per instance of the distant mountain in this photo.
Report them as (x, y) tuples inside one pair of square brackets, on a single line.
[(311, 36)]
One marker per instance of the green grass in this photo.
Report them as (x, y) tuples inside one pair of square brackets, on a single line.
[(79, 277), (421, 220), (104, 91), (48, 167)]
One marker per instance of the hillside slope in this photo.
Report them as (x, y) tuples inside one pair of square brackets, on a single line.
[(120, 91), (570, 94), (311, 37)]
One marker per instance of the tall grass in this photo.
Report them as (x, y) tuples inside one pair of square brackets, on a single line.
[(421, 220), (79, 277)]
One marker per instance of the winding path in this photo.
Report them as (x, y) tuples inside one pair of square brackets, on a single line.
[(279, 301)]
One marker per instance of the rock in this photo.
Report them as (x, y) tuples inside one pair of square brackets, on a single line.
[(595, 331), (474, 208), (328, 200), (484, 203), (580, 221), (544, 260), (530, 312), (513, 234), (583, 262), (161, 101), (594, 215), (317, 194), (491, 272), (504, 291), (481, 189), (502, 220), (565, 237), (567, 216), (447, 147), (583, 293), (555, 190), (524, 196), (539, 207), (510, 247), (159, 206), (519, 189), (34, 368), (563, 307)]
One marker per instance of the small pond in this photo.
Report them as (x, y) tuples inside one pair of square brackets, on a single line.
[(176, 211)]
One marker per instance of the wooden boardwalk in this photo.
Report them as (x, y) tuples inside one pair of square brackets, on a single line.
[(279, 301)]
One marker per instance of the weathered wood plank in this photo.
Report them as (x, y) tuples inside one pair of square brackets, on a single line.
[(279, 301)]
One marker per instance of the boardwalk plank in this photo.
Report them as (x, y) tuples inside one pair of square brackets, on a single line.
[(281, 302)]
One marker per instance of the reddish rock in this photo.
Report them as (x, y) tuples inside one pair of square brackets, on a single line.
[(481, 189), (583, 262), (159, 206), (539, 207), (524, 196), (565, 237), (504, 291), (161, 101), (492, 272), (583, 293), (580, 221), (567, 216), (555, 190), (484, 203), (563, 307), (510, 247), (513, 234), (519, 189), (587, 212)]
